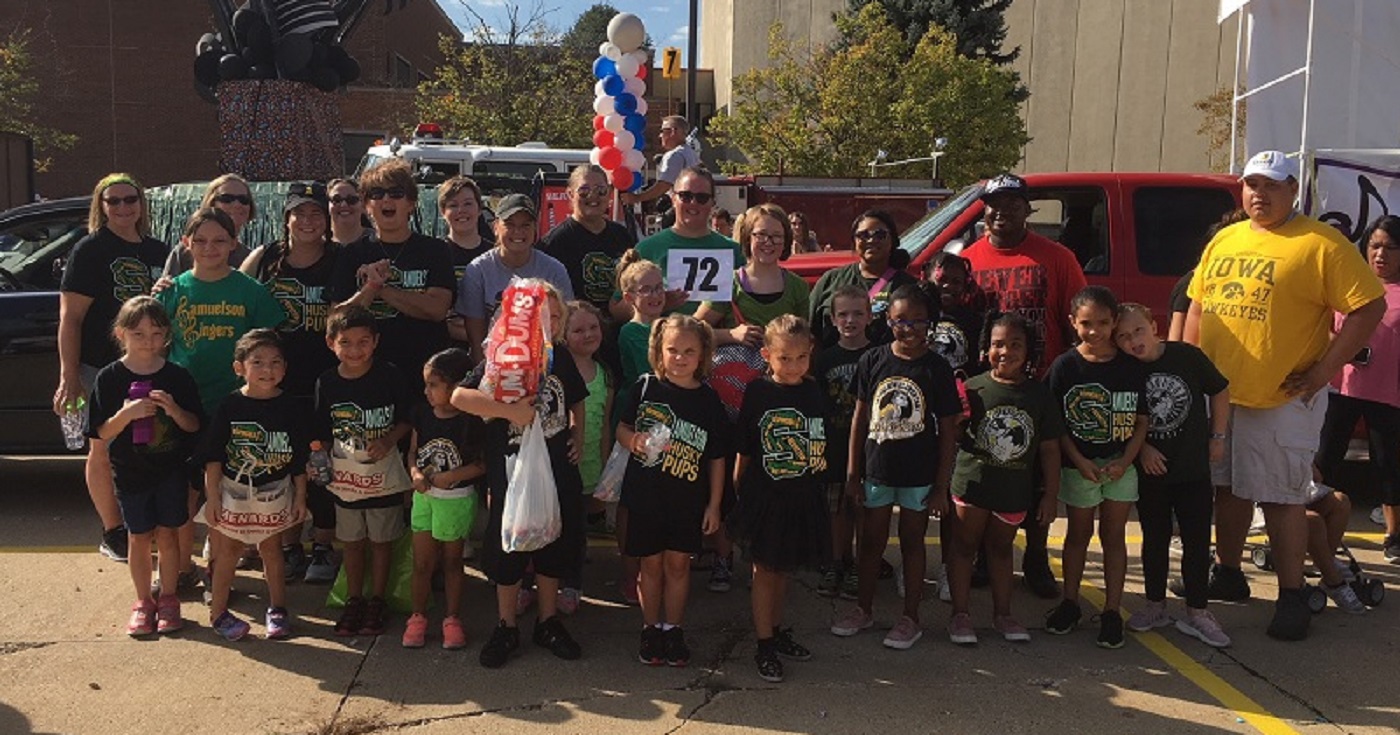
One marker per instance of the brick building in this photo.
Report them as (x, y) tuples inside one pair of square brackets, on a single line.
[(119, 75)]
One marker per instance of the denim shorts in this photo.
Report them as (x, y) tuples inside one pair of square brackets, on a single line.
[(884, 496)]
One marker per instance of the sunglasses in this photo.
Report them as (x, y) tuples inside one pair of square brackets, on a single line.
[(351, 199), (314, 190), (395, 193), (128, 199), (668, 130), (699, 197), (596, 191), (918, 324), (243, 199), (869, 235)]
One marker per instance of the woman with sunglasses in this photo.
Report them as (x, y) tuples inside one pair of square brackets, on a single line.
[(879, 269), (588, 243), (692, 199), (116, 261), (231, 195), (347, 209)]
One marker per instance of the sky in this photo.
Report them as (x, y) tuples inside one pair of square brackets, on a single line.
[(667, 21)]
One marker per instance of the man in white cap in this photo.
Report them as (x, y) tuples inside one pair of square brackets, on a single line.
[(1263, 299)]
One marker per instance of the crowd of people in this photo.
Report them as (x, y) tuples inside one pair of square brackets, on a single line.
[(336, 377)]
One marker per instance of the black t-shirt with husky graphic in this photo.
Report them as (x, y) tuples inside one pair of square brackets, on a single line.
[(109, 270), (999, 449), (356, 411), (444, 444), (835, 370), (1177, 424), (906, 398), (1100, 400), (257, 440)]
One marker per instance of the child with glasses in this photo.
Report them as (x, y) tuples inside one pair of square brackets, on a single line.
[(231, 195)]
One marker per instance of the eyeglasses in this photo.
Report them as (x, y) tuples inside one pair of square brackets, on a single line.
[(315, 190), (376, 194), (916, 324), (128, 199), (243, 199), (665, 129), (875, 235), (597, 191), (351, 199), (699, 197), (655, 290), (766, 236)]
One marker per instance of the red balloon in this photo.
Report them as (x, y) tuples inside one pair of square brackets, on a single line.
[(603, 139), (621, 177), (597, 122), (610, 159), (642, 71)]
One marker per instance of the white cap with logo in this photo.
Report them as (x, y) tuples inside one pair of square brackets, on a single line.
[(1271, 164)]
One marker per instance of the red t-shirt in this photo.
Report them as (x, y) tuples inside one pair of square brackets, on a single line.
[(1037, 279)]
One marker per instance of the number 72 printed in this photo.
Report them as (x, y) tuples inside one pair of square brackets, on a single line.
[(708, 275)]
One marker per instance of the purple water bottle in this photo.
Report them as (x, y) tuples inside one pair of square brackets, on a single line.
[(143, 429)]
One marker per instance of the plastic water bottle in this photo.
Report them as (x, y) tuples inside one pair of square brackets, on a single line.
[(74, 423), (658, 439), (319, 464), (143, 429)]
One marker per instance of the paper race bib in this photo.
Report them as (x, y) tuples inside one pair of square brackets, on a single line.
[(253, 514), (707, 274)]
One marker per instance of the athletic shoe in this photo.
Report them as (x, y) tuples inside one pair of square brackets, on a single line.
[(187, 581), (1392, 548), (279, 624), (677, 653), (597, 525), (1227, 584), (352, 618), (550, 633), (249, 560), (960, 630), (1291, 616), (629, 591), (143, 618), (524, 598), (229, 627), (1063, 618), (1258, 525), (113, 545), (1202, 624), (1039, 579), (1011, 630), (294, 562), (945, 591), (770, 668), (415, 631), (721, 575), (1378, 515), (850, 582), (789, 648), (1344, 569), (453, 637), (904, 634), (830, 584), (981, 577), (652, 650), (854, 621), (1110, 629), (168, 618), (1345, 599), (567, 601), (376, 610), (1149, 616), (504, 641), (322, 569)]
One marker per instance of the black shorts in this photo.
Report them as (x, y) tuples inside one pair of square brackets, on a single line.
[(165, 505), (658, 524), (321, 503), (559, 559)]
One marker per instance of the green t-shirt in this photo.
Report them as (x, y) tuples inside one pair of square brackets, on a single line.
[(207, 318), (1000, 444), (633, 342), (590, 463), (656, 247), (759, 310)]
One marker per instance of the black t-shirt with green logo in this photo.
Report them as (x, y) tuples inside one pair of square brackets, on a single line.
[(1100, 400), (1177, 422), (589, 258), (109, 270), (782, 430), (906, 399), (681, 474), (304, 296), (357, 411), (140, 467), (257, 440), (1000, 444)]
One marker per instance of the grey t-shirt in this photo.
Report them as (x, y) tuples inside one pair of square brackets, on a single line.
[(479, 291), (675, 161)]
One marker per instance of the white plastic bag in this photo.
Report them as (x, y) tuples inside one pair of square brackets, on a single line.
[(530, 518), (609, 487)]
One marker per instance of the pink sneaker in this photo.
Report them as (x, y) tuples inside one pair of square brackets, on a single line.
[(142, 620), (960, 630), (904, 634), (415, 631), (453, 637), (1011, 630), (854, 621), (168, 618), (524, 599)]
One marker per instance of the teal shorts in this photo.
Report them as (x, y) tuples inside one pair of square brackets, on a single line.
[(884, 496), (1078, 492), (449, 519)]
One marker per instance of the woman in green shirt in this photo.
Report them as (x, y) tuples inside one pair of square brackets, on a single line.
[(879, 269), (763, 290)]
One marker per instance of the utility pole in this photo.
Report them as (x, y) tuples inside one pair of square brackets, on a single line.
[(691, 54)]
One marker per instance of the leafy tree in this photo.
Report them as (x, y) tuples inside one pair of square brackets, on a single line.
[(829, 112), (1215, 126), (590, 30), (19, 92)]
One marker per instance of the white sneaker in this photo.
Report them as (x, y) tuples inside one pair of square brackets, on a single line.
[(945, 591), (1345, 599), (1378, 515), (1202, 625), (1257, 526)]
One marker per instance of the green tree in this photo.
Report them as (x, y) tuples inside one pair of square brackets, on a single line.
[(1215, 127), (19, 92), (589, 31), (829, 112), (505, 86)]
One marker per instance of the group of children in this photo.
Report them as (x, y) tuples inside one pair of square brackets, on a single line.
[(828, 443)]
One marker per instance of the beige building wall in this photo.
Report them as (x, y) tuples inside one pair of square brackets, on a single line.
[(1112, 81)]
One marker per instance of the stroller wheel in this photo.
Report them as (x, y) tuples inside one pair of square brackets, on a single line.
[(1262, 558), (1371, 592), (1317, 599)]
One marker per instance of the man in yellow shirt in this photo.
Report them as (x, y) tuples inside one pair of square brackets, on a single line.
[(1263, 299)]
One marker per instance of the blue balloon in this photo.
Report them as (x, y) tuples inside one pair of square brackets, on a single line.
[(604, 67), (634, 123), (625, 104), (637, 183), (613, 85), (639, 142)]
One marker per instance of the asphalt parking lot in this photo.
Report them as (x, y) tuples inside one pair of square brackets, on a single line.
[(66, 665)]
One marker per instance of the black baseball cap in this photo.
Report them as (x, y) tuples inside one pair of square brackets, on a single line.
[(299, 193), (1006, 184), (515, 203)]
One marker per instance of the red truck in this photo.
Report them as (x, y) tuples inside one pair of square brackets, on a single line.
[(1135, 233)]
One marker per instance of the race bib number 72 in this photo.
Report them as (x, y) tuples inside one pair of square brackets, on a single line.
[(707, 274)]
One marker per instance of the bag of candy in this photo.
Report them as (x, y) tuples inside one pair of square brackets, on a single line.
[(530, 518), (517, 349)]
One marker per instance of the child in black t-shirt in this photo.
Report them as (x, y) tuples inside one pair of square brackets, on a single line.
[(781, 516), (903, 439), (672, 422), (1101, 393), (254, 458), (146, 412), (362, 415)]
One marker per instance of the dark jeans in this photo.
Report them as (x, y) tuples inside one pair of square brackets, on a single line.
[(1382, 436), (1192, 504)]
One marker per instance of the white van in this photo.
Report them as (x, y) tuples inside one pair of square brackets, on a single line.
[(497, 170)]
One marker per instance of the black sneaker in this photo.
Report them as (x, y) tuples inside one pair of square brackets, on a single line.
[(1227, 584), (652, 650), (113, 544), (980, 576), (788, 648), (550, 633), (1110, 629), (770, 668), (676, 652), (1063, 618), (1391, 548), (1291, 616), (504, 641), (352, 618), (294, 562)]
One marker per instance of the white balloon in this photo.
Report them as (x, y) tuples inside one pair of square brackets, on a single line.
[(627, 67), (635, 87), (613, 123), (603, 105), (627, 31), (624, 139), (598, 89), (641, 106), (593, 155), (609, 50), (640, 55), (634, 159)]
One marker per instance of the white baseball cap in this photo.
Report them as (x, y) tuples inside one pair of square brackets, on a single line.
[(1271, 164)]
